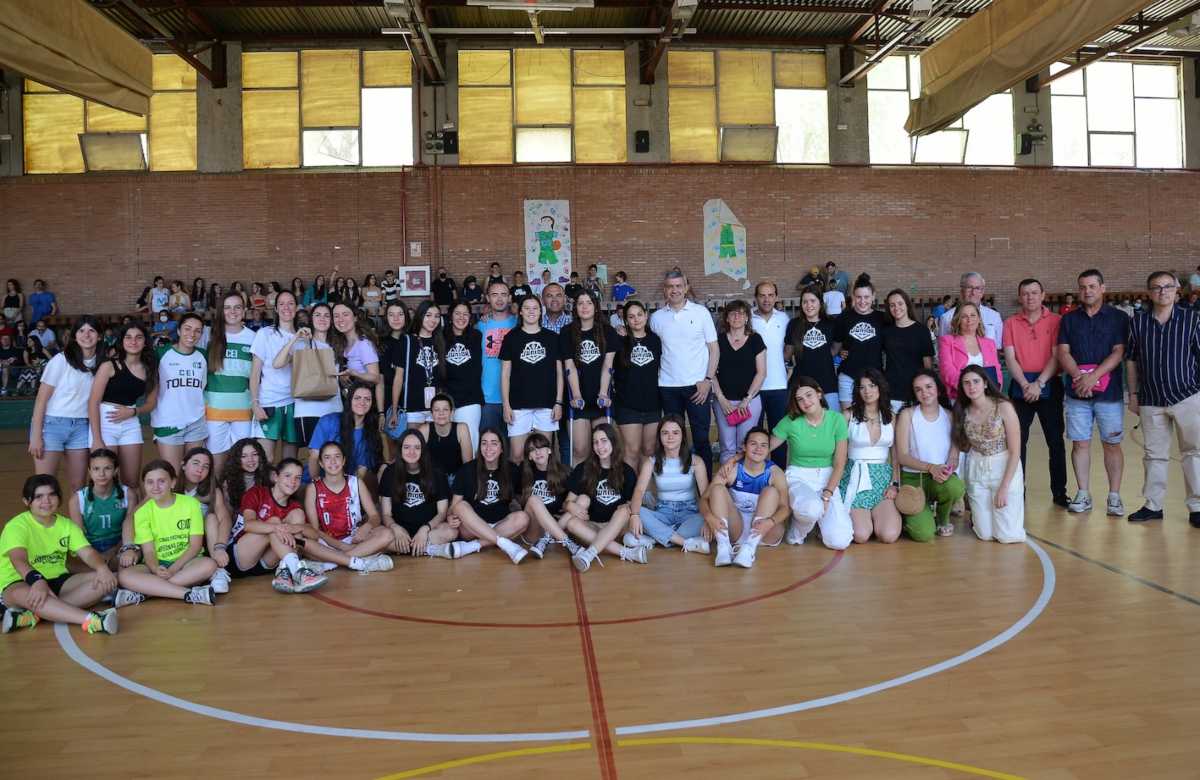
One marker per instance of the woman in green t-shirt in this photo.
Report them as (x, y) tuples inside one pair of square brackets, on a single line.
[(170, 529), (816, 438), (34, 581)]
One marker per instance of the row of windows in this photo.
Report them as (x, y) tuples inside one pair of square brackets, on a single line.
[(354, 108)]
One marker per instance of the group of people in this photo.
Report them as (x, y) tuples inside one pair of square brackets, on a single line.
[(538, 424)]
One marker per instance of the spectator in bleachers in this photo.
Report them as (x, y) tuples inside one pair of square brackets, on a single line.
[(14, 300), (44, 334), (372, 296), (179, 301), (391, 287), (1194, 279), (11, 361), (941, 308), (319, 292), (519, 290), (471, 291), (445, 290), (622, 289), (834, 299), (42, 302), (495, 275), (593, 282), (573, 287), (840, 280), (1068, 305), (200, 302)]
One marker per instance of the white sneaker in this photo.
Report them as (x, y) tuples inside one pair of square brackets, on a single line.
[(793, 535), (317, 566), (127, 598), (439, 551), (634, 540), (539, 547), (220, 581), (583, 559), (200, 594), (378, 562), (515, 552), (724, 554), (637, 554), (1115, 507), (1081, 503), (571, 546), (696, 545), (745, 555)]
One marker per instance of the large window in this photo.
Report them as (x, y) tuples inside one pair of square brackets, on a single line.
[(714, 91), (983, 136), (1118, 114), (541, 105), (54, 120), (333, 107)]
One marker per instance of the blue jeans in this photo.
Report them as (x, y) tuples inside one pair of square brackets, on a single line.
[(492, 416), (677, 400), (672, 517), (774, 404)]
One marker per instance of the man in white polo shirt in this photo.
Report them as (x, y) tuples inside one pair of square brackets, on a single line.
[(772, 326), (971, 286), (689, 360)]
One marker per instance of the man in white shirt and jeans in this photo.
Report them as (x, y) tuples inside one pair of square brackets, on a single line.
[(689, 360), (772, 326)]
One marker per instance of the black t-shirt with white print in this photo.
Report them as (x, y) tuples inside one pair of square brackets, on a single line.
[(533, 379), (415, 509), (812, 345), (464, 368), (604, 500), (423, 372), (635, 376), (487, 505), (861, 336), (589, 359), (541, 489)]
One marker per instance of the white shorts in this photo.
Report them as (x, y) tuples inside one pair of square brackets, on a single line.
[(223, 433), (526, 420), (192, 433), (415, 418), (117, 434)]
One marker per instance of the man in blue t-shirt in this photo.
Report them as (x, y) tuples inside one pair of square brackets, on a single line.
[(494, 324), (1091, 345), (42, 303)]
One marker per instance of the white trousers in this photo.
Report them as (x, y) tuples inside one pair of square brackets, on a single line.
[(983, 475), (469, 415), (804, 490)]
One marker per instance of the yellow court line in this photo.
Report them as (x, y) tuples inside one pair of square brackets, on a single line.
[(966, 769), (486, 757)]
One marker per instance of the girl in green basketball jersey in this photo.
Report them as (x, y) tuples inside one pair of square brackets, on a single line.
[(34, 582), (101, 509), (170, 529)]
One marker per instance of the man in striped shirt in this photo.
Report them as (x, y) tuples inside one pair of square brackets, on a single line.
[(1163, 367)]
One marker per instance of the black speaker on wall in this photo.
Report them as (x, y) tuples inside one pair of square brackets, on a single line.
[(450, 140), (641, 141)]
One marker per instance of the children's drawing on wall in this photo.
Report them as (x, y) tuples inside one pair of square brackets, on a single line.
[(547, 242), (724, 242)]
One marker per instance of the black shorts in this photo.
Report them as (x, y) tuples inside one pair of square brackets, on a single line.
[(256, 570), (56, 585), (305, 427), (588, 412), (623, 415)]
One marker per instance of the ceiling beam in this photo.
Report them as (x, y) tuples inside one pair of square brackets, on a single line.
[(867, 22), (216, 74), (651, 55), (1132, 42)]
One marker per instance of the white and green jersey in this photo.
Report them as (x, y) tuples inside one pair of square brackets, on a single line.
[(227, 396), (181, 381)]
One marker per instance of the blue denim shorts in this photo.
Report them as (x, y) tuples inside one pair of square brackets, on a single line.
[(1083, 413), (64, 433)]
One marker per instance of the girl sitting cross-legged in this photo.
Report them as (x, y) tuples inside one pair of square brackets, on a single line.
[(679, 479), (270, 531), (34, 581), (414, 498), (598, 495), (335, 505), (170, 529)]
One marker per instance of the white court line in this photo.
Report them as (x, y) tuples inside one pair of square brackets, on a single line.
[(63, 634), (1048, 581)]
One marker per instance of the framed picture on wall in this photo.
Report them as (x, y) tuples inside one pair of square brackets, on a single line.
[(414, 280)]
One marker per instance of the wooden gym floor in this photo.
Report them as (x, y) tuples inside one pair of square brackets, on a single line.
[(1071, 657)]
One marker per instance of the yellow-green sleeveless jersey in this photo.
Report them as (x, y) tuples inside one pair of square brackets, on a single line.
[(227, 395)]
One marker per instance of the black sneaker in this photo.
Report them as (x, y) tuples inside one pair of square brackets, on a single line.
[(1061, 500), (1146, 513), (1194, 519)]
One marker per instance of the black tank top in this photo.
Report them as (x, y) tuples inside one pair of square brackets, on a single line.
[(445, 450), (12, 301), (123, 388)]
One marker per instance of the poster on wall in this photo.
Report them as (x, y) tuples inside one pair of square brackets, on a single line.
[(414, 280), (548, 242), (724, 242)]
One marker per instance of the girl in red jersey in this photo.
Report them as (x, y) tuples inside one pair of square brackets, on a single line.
[(269, 530), (335, 505)]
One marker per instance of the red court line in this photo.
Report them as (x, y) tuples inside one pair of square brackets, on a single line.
[(837, 558), (608, 765)]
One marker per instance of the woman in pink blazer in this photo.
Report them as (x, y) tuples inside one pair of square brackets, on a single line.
[(964, 345)]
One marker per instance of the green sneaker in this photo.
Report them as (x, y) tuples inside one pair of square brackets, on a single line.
[(17, 618), (102, 622)]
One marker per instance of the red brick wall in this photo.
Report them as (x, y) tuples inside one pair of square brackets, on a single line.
[(98, 239)]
